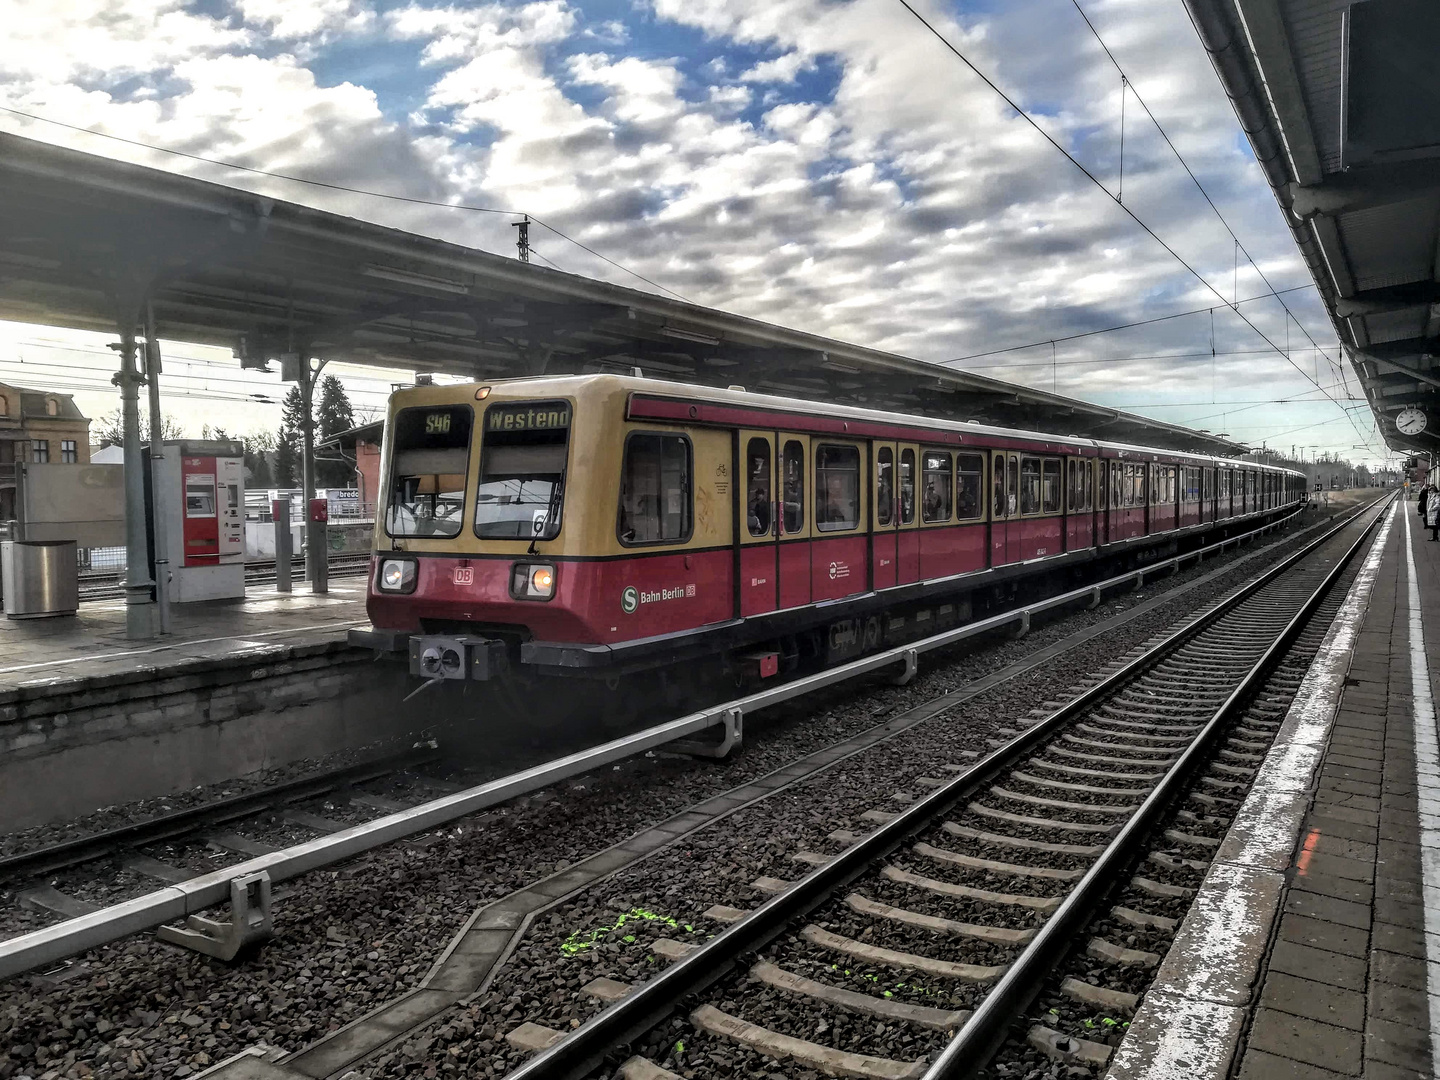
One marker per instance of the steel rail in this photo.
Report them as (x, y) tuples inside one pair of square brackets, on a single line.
[(989, 1026), (45, 946), (651, 1001), (81, 849)]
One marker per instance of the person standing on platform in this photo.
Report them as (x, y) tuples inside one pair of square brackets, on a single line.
[(1429, 509)]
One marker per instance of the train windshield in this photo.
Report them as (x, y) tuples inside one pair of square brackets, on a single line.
[(430, 456), (522, 471)]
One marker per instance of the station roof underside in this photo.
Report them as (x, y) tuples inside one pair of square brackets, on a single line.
[(1342, 106), (85, 241)]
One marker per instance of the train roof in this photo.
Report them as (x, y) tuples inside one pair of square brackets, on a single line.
[(575, 385)]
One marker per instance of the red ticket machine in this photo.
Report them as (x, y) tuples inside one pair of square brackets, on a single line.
[(207, 519)]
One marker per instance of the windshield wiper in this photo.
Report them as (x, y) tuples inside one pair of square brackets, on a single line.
[(550, 512)]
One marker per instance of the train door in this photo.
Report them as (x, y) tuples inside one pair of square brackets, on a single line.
[(794, 482), (759, 527), (907, 536), (840, 525), (885, 518), (1005, 503)]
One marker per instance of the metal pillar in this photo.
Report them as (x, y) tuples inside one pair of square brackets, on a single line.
[(139, 599), (317, 556), (282, 542), (158, 494)]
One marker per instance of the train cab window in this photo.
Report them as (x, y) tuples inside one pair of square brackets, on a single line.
[(969, 486), (792, 465), (837, 487), (907, 487), (429, 462), (522, 471), (936, 498), (884, 486), (1029, 485), (655, 492), (757, 487), (1050, 486)]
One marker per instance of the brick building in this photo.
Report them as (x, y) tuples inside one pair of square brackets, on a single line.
[(39, 426)]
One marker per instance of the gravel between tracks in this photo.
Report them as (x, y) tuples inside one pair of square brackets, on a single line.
[(355, 936)]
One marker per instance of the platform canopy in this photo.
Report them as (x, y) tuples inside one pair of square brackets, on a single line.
[(85, 241), (1342, 106)]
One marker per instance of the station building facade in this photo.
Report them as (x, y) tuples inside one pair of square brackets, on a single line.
[(40, 427)]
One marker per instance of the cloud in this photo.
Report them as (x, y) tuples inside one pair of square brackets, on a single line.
[(826, 165)]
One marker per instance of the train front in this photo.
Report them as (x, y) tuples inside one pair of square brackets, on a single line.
[(469, 526)]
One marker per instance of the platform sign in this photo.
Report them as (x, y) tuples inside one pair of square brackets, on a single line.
[(344, 502)]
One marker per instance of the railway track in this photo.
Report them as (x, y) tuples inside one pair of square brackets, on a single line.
[(73, 877), (260, 572), (918, 941)]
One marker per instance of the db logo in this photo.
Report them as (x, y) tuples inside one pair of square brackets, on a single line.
[(464, 575), (629, 600)]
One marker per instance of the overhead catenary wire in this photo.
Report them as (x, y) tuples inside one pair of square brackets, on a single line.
[(1024, 115), (347, 189), (1239, 246)]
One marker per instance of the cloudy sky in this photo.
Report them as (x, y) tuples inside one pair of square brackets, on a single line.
[(824, 164)]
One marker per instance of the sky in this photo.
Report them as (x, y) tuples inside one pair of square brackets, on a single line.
[(828, 165)]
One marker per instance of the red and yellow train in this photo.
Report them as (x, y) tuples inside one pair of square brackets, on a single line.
[(603, 524)]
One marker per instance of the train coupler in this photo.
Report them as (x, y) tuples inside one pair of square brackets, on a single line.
[(478, 659), (249, 923)]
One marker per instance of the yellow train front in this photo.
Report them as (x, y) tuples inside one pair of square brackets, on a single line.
[(603, 524)]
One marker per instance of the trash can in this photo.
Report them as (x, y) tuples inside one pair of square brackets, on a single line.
[(39, 578)]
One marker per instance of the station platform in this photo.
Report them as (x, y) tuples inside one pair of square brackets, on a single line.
[(89, 718), (1312, 950), (91, 643)]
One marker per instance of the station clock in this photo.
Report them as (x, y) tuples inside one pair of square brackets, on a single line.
[(1411, 421)]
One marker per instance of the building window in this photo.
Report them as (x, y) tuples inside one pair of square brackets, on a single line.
[(655, 491), (68, 453), (4, 405), (52, 407), (40, 451)]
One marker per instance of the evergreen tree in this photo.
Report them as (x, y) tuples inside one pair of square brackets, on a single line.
[(333, 415), (287, 461), (259, 445)]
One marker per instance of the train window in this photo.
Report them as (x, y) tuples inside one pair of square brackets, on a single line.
[(792, 462), (1116, 484), (1012, 484), (757, 487), (522, 471), (837, 487), (1050, 485), (1075, 485), (430, 459), (884, 486), (936, 488), (969, 486), (997, 494), (655, 490), (907, 487), (1029, 485)]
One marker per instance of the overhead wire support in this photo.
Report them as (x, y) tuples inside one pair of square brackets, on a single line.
[(1240, 248), (1232, 304)]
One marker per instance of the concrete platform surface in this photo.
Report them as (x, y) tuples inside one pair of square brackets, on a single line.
[(1313, 949), (35, 653)]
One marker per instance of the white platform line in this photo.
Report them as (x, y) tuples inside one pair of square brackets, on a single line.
[(1427, 779)]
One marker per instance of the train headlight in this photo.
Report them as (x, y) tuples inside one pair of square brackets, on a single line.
[(397, 575), (532, 581)]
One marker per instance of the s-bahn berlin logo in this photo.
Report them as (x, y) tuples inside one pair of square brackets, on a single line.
[(632, 598)]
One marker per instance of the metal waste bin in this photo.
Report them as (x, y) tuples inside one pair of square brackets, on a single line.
[(39, 578)]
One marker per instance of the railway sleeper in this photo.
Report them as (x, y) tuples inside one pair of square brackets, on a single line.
[(826, 1059), (996, 935), (903, 961), (967, 892), (855, 1002)]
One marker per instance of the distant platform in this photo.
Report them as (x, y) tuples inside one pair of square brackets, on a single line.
[(1313, 948), (93, 642)]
